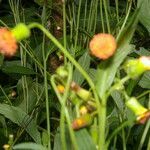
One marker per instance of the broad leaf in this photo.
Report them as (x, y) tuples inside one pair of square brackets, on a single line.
[(18, 70), (31, 146), (107, 69), (145, 80), (145, 13), (84, 141), (16, 115), (84, 61)]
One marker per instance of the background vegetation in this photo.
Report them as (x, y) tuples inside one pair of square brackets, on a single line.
[(29, 107)]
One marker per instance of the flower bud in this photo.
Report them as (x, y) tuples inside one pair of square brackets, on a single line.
[(60, 88), (103, 45), (82, 93), (145, 61), (21, 32), (141, 112), (83, 110), (134, 68), (62, 72), (82, 122)]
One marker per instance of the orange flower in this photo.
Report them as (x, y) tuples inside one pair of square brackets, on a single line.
[(103, 45), (8, 44), (61, 88), (82, 122), (143, 117)]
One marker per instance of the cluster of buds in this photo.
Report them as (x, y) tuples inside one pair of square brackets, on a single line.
[(77, 96), (142, 113), (135, 67), (10, 37)]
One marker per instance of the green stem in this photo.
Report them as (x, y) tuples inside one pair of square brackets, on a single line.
[(47, 102), (66, 112), (74, 62), (147, 127), (6, 96), (101, 13), (117, 12), (115, 132), (77, 26), (143, 94), (45, 80), (106, 14), (124, 23), (64, 26), (64, 99), (102, 125)]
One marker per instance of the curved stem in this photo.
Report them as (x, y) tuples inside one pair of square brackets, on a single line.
[(66, 112), (106, 13), (115, 132), (64, 99), (124, 23), (143, 94), (64, 26), (74, 62), (101, 14)]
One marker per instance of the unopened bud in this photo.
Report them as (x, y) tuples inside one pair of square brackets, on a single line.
[(82, 122), (141, 112), (21, 31), (62, 72)]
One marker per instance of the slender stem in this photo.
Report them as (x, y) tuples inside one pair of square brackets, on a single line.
[(45, 81), (74, 62), (123, 139), (148, 145), (106, 14), (102, 125), (124, 23), (147, 127), (64, 26), (77, 26), (5, 95), (115, 132), (64, 99), (117, 12), (67, 54), (101, 14), (66, 112), (95, 18), (143, 94)]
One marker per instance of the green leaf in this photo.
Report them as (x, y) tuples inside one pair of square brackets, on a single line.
[(84, 61), (16, 115), (1, 59), (145, 13), (84, 140), (18, 70), (116, 95), (107, 69), (35, 92), (30, 146), (145, 80)]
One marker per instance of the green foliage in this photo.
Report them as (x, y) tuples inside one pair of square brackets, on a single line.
[(40, 115), (19, 117)]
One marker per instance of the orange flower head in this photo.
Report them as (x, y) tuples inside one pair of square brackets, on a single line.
[(103, 45), (61, 88), (143, 117), (8, 44)]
